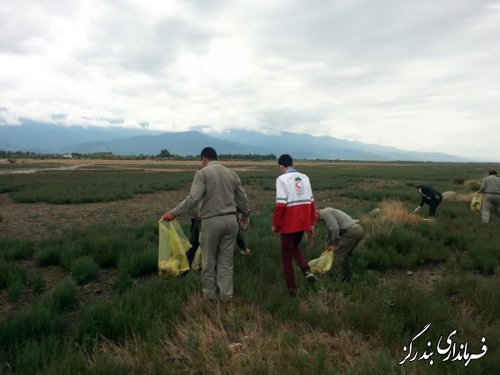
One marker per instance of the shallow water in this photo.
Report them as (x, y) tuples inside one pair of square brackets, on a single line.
[(34, 170)]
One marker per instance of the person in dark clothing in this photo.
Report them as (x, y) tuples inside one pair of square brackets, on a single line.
[(430, 196), (194, 240)]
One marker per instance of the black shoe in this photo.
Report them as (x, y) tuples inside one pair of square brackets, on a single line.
[(311, 277)]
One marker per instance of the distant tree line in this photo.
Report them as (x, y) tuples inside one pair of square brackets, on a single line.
[(163, 155), (254, 157)]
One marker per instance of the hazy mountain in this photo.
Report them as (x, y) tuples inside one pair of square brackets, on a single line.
[(182, 143), (122, 141), (40, 137), (325, 147)]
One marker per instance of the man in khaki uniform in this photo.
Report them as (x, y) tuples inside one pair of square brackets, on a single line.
[(218, 192), (490, 187), (344, 234)]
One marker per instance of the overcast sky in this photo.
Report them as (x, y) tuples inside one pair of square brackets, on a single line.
[(417, 75)]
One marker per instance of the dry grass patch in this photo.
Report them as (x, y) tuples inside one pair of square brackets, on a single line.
[(462, 197), (391, 213), (240, 338)]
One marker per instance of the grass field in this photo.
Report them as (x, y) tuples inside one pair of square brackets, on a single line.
[(79, 291)]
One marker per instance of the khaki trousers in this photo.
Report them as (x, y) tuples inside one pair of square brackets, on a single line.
[(217, 241), (490, 201), (347, 242)]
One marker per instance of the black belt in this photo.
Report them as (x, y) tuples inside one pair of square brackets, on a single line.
[(343, 231), (226, 214)]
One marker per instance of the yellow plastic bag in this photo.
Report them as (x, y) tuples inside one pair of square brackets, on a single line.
[(322, 264), (172, 249), (477, 202), (196, 265)]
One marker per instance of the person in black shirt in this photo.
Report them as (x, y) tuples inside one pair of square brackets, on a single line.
[(430, 196)]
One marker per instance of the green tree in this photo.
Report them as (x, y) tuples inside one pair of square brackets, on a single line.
[(164, 154)]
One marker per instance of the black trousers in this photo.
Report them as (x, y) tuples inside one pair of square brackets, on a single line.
[(433, 204)]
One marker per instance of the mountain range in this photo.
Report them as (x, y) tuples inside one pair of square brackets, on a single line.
[(48, 138)]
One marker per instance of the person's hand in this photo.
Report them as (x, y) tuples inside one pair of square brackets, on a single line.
[(330, 248), (246, 253), (168, 216), (244, 223), (417, 209), (274, 229)]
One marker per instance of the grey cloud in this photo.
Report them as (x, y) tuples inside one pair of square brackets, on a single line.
[(24, 23), (354, 32), (59, 116), (111, 121), (132, 44), (284, 119)]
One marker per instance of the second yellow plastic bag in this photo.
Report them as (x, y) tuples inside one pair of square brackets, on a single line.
[(477, 202), (172, 248), (196, 265), (322, 264)]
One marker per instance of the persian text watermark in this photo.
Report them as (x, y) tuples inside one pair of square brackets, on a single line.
[(448, 350)]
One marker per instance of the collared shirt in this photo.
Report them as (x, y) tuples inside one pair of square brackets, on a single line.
[(490, 185), (336, 221), (217, 190)]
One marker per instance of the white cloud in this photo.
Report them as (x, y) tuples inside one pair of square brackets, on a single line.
[(415, 75)]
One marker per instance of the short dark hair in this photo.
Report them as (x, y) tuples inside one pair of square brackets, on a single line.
[(209, 153), (493, 172), (285, 160)]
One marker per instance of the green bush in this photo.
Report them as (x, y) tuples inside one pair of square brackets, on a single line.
[(151, 309), (38, 283), (34, 323), (10, 273), (100, 319), (123, 283), (49, 254), (16, 249), (16, 287), (403, 247), (52, 355), (141, 263), (474, 186), (106, 244), (459, 180), (484, 257), (61, 297), (84, 269)]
